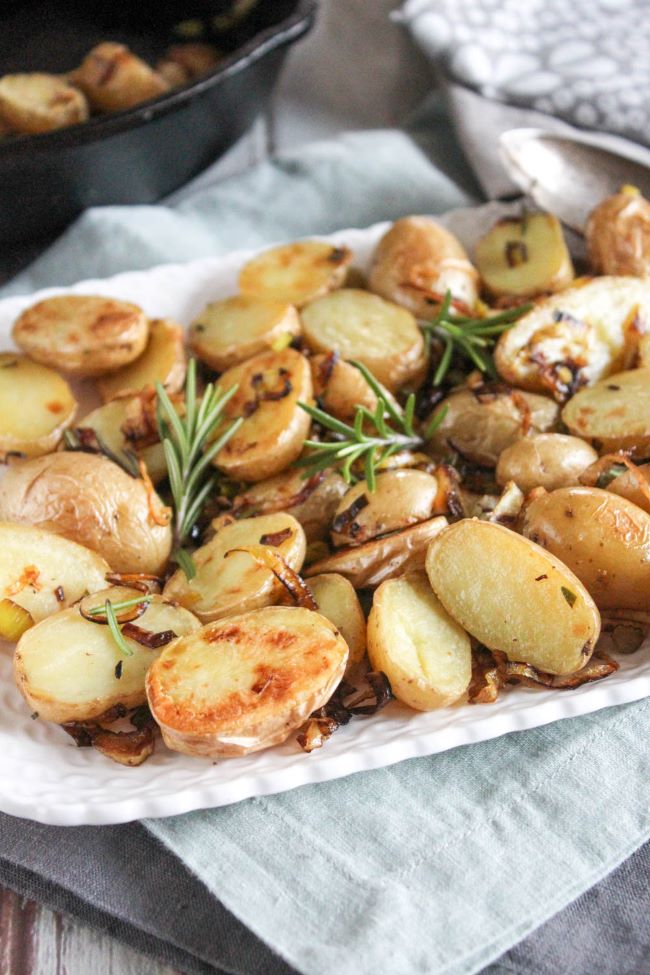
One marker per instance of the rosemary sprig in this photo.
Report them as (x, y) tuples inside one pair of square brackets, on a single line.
[(350, 444), (144, 599), (184, 441), (471, 338)]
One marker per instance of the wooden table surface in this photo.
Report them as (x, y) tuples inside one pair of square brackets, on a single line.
[(356, 70)]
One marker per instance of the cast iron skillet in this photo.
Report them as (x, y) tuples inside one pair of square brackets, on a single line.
[(140, 155)]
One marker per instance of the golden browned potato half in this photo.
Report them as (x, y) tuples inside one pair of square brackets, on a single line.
[(341, 387), (114, 79), (365, 327), (575, 337), (524, 256), (269, 388), (548, 460), (163, 361), (70, 669), (339, 603), (603, 538), (425, 654), (245, 683), (416, 262), (295, 273), (401, 498), (480, 423), (36, 406), (614, 414), (618, 234), (33, 103), (230, 331), (109, 423), (43, 572), (513, 596), (183, 63), (82, 335), (92, 501), (227, 584), (312, 501), (612, 474)]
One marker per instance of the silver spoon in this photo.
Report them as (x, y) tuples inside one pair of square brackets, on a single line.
[(569, 175)]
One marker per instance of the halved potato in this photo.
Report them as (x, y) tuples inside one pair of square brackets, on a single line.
[(36, 406), (82, 335), (401, 498), (44, 572), (269, 388), (616, 473), (245, 683), (340, 387), (363, 326), (365, 566), (230, 331), (618, 234), (40, 102), (614, 414), (524, 256), (416, 262), (114, 79), (339, 603), (603, 538), (227, 584), (163, 361), (108, 421), (69, 669), (548, 460), (92, 501), (312, 501), (295, 273), (480, 423), (513, 596), (425, 654), (576, 337)]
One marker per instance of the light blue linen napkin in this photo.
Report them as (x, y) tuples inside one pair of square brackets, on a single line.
[(436, 865)]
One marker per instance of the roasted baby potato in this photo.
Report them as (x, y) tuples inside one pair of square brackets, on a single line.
[(92, 501), (340, 387), (425, 654), (109, 422), (366, 566), (230, 331), (524, 256), (362, 326), (614, 414), (618, 234), (82, 335), (245, 683), (480, 423), (38, 102), (269, 388), (548, 460), (513, 596), (416, 262), (312, 501), (400, 498), (227, 584), (163, 361), (114, 79), (70, 669), (36, 406), (339, 603), (295, 273), (183, 63), (603, 538), (615, 473), (45, 573), (576, 337)]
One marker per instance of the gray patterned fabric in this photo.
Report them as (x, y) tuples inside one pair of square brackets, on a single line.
[(584, 61)]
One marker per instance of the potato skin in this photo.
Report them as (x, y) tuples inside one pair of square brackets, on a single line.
[(401, 498), (480, 423), (548, 460), (603, 538), (88, 499), (420, 252), (312, 501), (617, 234)]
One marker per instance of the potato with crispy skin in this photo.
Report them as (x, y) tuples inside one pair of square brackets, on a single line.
[(109, 423), (295, 273), (36, 406), (82, 335), (183, 63), (230, 331), (245, 683), (90, 500), (38, 102), (114, 79), (548, 460), (163, 361), (312, 501), (401, 498), (618, 234)]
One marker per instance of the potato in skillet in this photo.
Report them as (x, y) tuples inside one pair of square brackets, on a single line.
[(114, 79), (39, 102)]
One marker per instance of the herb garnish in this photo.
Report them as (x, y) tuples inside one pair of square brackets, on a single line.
[(188, 460), (471, 338), (108, 609), (394, 431), (569, 595)]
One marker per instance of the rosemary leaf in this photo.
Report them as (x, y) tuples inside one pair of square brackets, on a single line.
[(116, 632)]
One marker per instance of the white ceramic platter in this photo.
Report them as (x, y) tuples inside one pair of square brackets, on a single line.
[(45, 777)]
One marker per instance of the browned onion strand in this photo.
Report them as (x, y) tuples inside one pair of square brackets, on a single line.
[(292, 582), (143, 581), (147, 638), (124, 616), (345, 703)]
